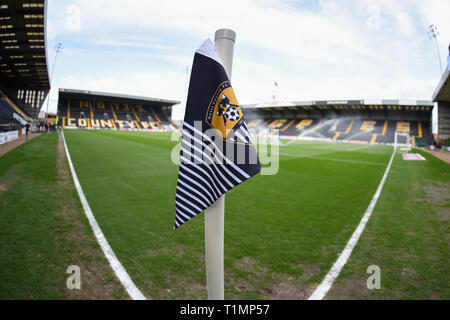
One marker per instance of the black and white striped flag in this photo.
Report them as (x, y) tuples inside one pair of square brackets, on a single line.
[(217, 152)]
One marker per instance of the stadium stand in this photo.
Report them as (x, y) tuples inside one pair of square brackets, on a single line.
[(358, 121), (99, 110), (24, 81), (10, 120), (442, 97)]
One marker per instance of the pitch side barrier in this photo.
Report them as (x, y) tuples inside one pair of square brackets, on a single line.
[(6, 137)]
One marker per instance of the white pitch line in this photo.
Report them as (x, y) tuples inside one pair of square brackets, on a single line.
[(119, 270), (327, 282)]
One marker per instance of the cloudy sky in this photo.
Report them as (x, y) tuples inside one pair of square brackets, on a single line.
[(314, 50)]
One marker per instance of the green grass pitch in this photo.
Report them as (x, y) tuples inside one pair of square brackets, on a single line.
[(282, 232)]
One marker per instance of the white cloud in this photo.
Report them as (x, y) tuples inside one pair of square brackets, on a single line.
[(345, 49)]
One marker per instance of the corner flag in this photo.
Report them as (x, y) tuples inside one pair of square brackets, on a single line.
[(217, 152)]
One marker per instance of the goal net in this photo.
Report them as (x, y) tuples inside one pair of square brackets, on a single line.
[(402, 141)]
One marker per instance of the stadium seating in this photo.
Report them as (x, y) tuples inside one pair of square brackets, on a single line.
[(7, 121), (345, 129), (6, 112), (113, 116)]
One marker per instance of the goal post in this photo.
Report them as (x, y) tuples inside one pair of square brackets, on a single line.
[(402, 141)]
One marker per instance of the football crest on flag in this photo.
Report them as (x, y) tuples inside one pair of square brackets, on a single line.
[(224, 113), (216, 151)]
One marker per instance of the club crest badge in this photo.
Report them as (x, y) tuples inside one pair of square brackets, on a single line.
[(224, 113)]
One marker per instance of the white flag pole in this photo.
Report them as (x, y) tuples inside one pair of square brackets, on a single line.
[(214, 215)]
